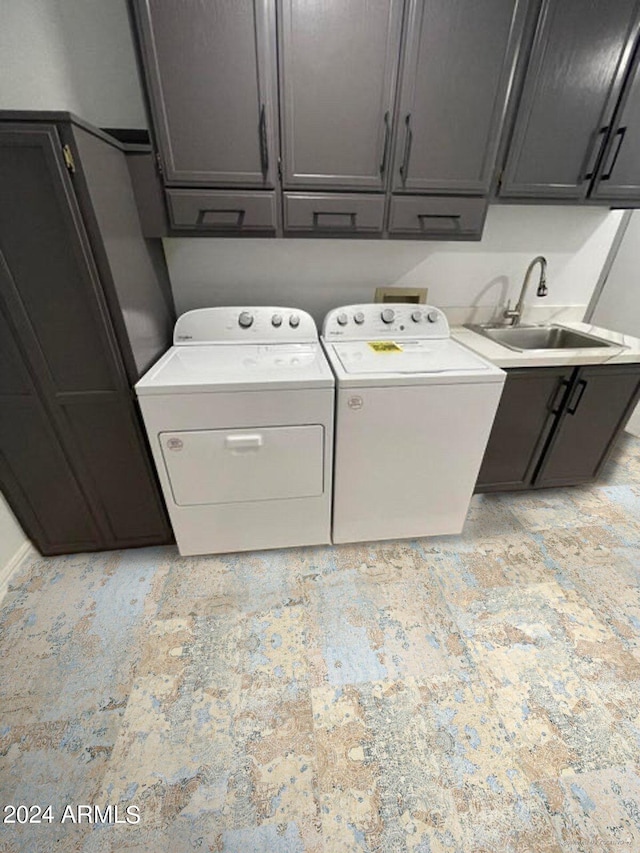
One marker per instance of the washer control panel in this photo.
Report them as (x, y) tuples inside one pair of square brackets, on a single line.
[(398, 320), (253, 325)]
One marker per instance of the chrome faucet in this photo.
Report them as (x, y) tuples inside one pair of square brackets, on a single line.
[(514, 314)]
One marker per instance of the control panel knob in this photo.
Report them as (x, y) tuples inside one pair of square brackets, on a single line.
[(416, 316), (388, 315), (276, 320), (245, 319), (432, 316), (359, 317), (294, 321), (342, 319)]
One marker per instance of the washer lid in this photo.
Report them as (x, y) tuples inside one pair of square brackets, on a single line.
[(242, 367), (409, 361)]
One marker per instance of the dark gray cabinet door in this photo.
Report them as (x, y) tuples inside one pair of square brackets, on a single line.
[(529, 408), (619, 174), (211, 72), (337, 214), (437, 217), (458, 68), (338, 64), (49, 279), (221, 211), (601, 399), (580, 54), (34, 472)]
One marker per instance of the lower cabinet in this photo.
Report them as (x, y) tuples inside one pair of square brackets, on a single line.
[(600, 400), (556, 425)]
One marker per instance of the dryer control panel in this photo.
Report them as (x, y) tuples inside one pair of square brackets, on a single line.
[(252, 325), (385, 320)]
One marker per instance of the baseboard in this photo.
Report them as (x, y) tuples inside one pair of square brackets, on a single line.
[(9, 568)]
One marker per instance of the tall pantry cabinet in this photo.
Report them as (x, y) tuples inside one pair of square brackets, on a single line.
[(84, 311)]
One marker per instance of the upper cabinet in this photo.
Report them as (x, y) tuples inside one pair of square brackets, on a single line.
[(565, 143), (370, 96), (212, 82), (458, 67), (619, 174), (387, 117), (338, 73)]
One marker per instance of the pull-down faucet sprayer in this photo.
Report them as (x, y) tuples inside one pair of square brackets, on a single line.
[(515, 314)]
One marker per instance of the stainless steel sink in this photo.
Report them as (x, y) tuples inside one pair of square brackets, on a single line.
[(539, 337)]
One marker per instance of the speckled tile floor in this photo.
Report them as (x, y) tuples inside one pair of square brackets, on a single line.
[(475, 693)]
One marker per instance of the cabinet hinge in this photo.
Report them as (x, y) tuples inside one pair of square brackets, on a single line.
[(69, 162), (159, 163), (280, 169)]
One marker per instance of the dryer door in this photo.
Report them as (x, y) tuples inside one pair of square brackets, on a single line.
[(236, 465)]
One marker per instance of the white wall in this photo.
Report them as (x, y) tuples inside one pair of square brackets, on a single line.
[(618, 307), (619, 304), (74, 55), (12, 539), (317, 275)]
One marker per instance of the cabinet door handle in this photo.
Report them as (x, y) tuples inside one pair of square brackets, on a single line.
[(620, 132), (264, 149), (221, 218), (334, 219), (408, 139), (577, 397), (385, 150), (450, 219), (558, 397), (596, 160)]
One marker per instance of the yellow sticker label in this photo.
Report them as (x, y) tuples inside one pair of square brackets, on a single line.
[(384, 346)]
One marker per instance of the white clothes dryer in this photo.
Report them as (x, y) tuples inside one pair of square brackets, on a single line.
[(239, 414), (413, 414)]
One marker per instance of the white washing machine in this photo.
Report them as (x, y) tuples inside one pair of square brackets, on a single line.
[(413, 414), (239, 414)]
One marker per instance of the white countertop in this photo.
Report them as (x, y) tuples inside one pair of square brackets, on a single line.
[(627, 350)]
